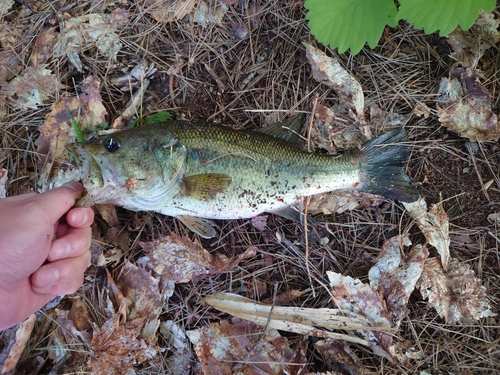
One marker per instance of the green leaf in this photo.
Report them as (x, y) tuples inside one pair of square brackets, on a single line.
[(161, 116), (102, 126), (136, 122), (80, 137), (442, 15), (350, 23)]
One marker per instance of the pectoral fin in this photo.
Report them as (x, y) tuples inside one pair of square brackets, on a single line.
[(205, 186), (202, 227)]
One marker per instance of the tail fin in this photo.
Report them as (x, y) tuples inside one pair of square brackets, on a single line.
[(383, 167)]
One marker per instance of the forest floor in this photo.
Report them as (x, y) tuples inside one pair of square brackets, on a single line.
[(244, 64)]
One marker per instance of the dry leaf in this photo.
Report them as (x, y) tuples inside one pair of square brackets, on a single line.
[(134, 106), (97, 29), (331, 133), (66, 340), (259, 222), (166, 12), (93, 110), (464, 105), (33, 88), (469, 46), (44, 46), (112, 256), (108, 213), (181, 260), (320, 136), (239, 346), (3, 182), (67, 329), (324, 114), (144, 298), (57, 131), (135, 77), (112, 298), (339, 357), (422, 110), (205, 14), (434, 224), (11, 38), (5, 5), (293, 319), (119, 16), (118, 237), (13, 341), (285, 297), (456, 294), (341, 201), (116, 347), (328, 70), (80, 315), (183, 356), (392, 280), (492, 218), (321, 128), (353, 296), (395, 275), (10, 66)]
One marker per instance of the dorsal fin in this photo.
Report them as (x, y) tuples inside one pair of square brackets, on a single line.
[(289, 130)]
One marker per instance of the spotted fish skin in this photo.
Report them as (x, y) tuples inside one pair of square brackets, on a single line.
[(210, 171)]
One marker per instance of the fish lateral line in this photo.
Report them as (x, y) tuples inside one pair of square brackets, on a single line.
[(231, 154)]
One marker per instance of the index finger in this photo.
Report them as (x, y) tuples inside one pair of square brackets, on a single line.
[(56, 202)]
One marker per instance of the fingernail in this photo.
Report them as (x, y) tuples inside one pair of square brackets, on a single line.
[(60, 250), (47, 276), (79, 217), (73, 185)]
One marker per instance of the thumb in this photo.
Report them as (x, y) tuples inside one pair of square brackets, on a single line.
[(56, 202)]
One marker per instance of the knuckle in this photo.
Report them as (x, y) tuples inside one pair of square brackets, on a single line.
[(80, 242), (32, 206), (69, 287)]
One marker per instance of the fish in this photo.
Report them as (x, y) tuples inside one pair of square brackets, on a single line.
[(197, 172)]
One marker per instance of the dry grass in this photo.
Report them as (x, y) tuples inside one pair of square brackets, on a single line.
[(248, 72)]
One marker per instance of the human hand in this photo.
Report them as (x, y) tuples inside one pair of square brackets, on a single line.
[(44, 250)]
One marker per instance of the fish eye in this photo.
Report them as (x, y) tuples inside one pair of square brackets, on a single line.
[(112, 144)]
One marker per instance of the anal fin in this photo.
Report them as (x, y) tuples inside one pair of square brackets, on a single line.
[(202, 227)]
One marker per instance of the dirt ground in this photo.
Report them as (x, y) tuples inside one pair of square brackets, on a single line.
[(246, 67)]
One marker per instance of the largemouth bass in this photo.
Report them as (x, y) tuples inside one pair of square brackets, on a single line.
[(196, 171)]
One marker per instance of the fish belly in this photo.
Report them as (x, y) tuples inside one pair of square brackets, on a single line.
[(255, 191)]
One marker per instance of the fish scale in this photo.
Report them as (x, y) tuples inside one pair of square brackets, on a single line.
[(196, 171), (267, 173)]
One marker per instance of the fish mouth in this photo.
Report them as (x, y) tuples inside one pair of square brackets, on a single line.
[(90, 174), (82, 160)]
